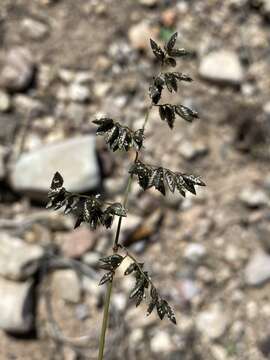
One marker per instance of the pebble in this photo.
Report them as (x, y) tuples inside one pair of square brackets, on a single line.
[(29, 106), (139, 35), (218, 352), (188, 289), (5, 102), (161, 343), (212, 322), (148, 2), (76, 243), (74, 158), (222, 66), (16, 306), (67, 285), (101, 89), (257, 270), (254, 198), (191, 151), (91, 259), (78, 92), (194, 252), (34, 29), (18, 260), (18, 70)]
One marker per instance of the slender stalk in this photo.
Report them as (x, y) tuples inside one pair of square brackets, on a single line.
[(115, 249), (105, 321), (109, 288)]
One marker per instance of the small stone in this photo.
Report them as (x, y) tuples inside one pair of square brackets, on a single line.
[(188, 289), (218, 352), (5, 102), (77, 242), (140, 34), (16, 306), (161, 343), (222, 66), (266, 108), (66, 284), (34, 29), (74, 158), (78, 92), (148, 2), (191, 151), (195, 252), (101, 89), (18, 260), (212, 322), (257, 270), (29, 106), (91, 259), (18, 70), (254, 198)]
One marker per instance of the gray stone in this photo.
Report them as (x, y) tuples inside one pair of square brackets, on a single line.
[(16, 306), (222, 66), (91, 258), (67, 285), (212, 322), (253, 197), (74, 158), (4, 101), (148, 2), (18, 260), (27, 105), (188, 289), (194, 252), (76, 243), (34, 29), (78, 92), (191, 151), (161, 343), (18, 70), (257, 270)]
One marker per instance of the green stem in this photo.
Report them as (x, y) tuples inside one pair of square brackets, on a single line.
[(105, 321), (115, 249), (109, 288)]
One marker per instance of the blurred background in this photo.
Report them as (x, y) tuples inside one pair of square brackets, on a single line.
[(63, 63)]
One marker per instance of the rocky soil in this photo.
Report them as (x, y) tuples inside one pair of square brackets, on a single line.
[(62, 64)]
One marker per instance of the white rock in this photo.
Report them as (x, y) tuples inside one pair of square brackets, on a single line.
[(18, 260), (257, 270), (67, 285), (140, 34), (148, 2), (254, 198), (18, 70), (219, 353), (16, 306), (212, 322), (194, 252), (222, 66), (78, 92), (34, 29), (74, 158), (4, 101), (190, 151), (161, 343)]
